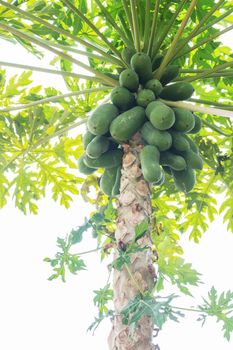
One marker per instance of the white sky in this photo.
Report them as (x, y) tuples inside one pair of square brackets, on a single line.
[(38, 314)]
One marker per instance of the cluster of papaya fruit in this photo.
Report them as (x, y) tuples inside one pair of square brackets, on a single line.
[(137, 106)]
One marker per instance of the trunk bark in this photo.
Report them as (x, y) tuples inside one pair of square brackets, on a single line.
[(134, 205)]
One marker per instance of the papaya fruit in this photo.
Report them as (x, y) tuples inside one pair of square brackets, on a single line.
[(193, 159), (184, 120), (161, 116), (155, 86), (157, 60), (98, 146), (185, 179), (127, 54), (192, 144), (83, 168), (122, 98), (109, 159), (141, 63), (129, 79), (127, 124), (144, 97), (155, 137), (179, 142), (169, 73), (177, 91), (100, 119), (107, 180), (174, 161), (149, 158), (87, 137), (116, 187), (198, 125)]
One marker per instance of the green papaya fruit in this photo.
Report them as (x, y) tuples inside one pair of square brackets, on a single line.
[(179, 142), (177, 91), (141, 63), (192, 144), (157, 60), (155, 86), (184, 120), (116, 187), (127, 54), (129, 79), (184, 180), (127, 124), (109, 159), (198, 125), (108, 180), (169, 73), (149, 158), (174, 161), (144, 97), (155, 137), (122, 98), (83, 168), (193, 159), (98, 146), (100, 119), (87, 138), (161, 116)]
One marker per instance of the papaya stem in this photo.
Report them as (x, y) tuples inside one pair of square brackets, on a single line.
[(136, 30), (133, 279), (170, 51), (53, 99), (154, 27)]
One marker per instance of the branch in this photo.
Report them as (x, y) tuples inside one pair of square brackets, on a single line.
[(53, 99)]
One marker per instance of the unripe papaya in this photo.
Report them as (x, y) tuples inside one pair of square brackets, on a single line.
[(108, 180), (161, 116), (98, 146), (127, 124), (144, 97), (87, 137), (192, 144), (127, 54), (169, 73), (141, 63), (149, 157), (99, 121), (83, 168), (109, 159), (116, 187), (155, 137), (193, 159), (179, 142), (155, 86), (198, 125), (122, 98), (177, 91), (157, 60), (184, 120), (174, 161), (185, 179), (129, 79)]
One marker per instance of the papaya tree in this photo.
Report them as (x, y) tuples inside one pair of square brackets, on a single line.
[(144, 134)]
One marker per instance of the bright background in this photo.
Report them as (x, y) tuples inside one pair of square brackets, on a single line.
[(38, 314)]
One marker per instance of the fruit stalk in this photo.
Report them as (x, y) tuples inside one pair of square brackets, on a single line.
[(134, 205)]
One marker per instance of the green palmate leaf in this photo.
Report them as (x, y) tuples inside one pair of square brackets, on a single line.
[(141, 229), (101, 299), (220, 306), (94, 325)]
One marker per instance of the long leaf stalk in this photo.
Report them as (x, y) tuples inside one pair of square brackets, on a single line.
[(168, 27), (190, 70), (147, 26), (170, 52), (109, 18), (215, 128), (58, 30), (214, 70), (202, 42), (133, 7), (59, 54), (154, 27), (195, 108), (92, 26), (50, 71), (125, 27), (211, 103), (199, 26), (129, 16), (54, 99)]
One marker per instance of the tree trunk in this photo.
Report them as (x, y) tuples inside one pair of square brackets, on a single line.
[(134, 205)]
